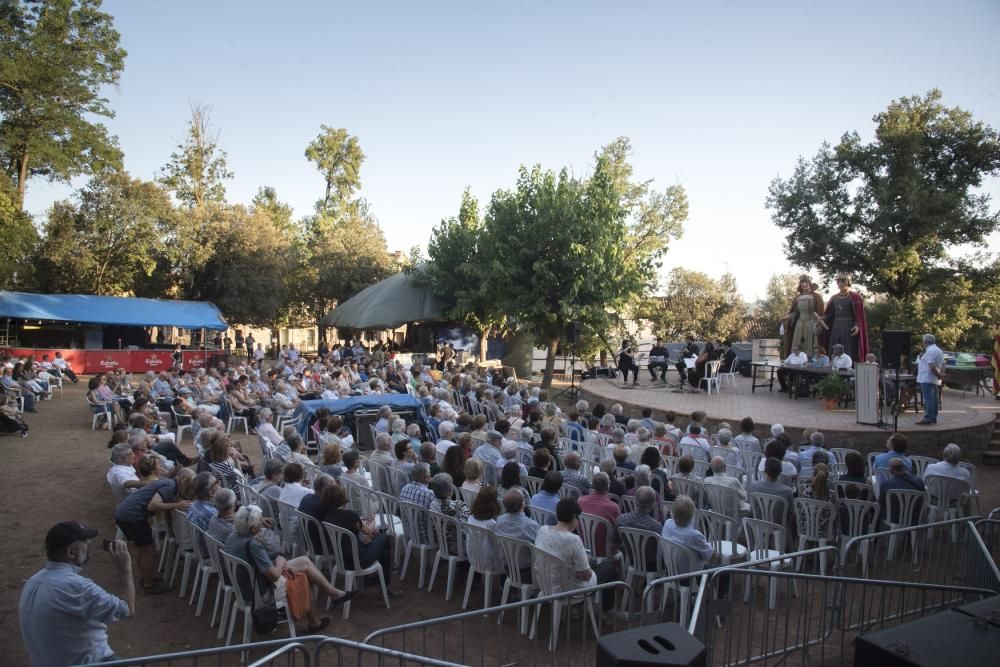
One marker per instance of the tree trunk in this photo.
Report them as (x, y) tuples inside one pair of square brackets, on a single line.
[(550, 362), (22, 179), (483, 335)]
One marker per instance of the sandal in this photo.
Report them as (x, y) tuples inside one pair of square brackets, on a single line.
[(346, 597)]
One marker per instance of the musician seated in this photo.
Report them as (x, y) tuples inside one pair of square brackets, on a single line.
[(841, 361), (690, 351), (796, 358), (819, 358), (698, 372), (658, 359)]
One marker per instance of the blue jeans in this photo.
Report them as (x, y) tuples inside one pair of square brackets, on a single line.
[(929, 391)]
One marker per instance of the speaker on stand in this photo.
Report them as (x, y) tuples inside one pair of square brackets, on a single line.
[(896, 357), (573, 333)]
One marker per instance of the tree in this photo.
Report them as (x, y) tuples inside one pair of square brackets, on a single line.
[(197, 171), (769, 311), (455, 271), (338, 158), (247, 277), (55, 56), (893, 212), (17, 241), (107, 239), (562, 249), (695, 303)]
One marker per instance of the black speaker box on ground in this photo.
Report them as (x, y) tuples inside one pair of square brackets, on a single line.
[(896, 350), (665, 645), (949, 638)]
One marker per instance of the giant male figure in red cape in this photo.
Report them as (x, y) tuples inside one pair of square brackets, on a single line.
[(845, 321)]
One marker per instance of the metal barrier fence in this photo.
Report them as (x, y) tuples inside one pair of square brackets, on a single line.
[(950, 553), (298, 652), (497, 635)]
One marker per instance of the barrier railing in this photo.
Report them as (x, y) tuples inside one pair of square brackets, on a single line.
[(300, 651), (498, 635)]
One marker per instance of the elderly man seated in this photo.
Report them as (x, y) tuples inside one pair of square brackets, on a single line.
[(121, 475), (572, 475), (721, 478)]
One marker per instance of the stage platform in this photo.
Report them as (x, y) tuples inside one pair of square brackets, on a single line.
[(965, 419)]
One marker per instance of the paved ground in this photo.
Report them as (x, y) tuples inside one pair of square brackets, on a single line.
[(58, 473)]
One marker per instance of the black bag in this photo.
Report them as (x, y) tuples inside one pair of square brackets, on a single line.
[(265, 616), (12, 423)]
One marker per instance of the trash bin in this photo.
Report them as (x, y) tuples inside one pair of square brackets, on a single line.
[(665, 645)]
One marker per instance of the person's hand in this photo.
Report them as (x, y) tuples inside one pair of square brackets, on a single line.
[(184, 505), (855, 330), (268, 523), (120, 555), (279, 561)]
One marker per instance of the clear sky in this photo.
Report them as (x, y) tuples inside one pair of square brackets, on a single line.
[(720, 97)]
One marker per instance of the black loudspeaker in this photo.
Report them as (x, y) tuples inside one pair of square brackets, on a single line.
[(952, 637), (665, 644), (574, 331), (896, 349)]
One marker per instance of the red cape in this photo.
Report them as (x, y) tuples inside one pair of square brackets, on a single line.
[(859, 320)]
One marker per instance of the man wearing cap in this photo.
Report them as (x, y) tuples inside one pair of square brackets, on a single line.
[(489, 451), (63, 614)]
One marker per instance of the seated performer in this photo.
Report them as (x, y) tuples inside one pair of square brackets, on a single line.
[(658, 359), (626, 363), (698, 372), (690, 351), (796, 358)]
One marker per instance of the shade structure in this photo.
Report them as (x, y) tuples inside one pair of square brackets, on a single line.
[(122, 311), (387, 304)]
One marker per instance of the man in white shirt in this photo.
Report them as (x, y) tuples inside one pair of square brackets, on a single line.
[(701, 448), (796, 358), (930, 370), (446, 430), (840, 360), (121, 475), (949, 467), (293, 492), (720, 478)]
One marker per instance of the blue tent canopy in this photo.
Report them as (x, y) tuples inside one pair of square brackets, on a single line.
[(124, 311), (344, 406)]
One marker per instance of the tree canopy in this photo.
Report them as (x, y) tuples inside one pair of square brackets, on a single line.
[(55, 56), (697, 304)]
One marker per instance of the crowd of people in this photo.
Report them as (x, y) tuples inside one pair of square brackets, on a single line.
[(490, 453)]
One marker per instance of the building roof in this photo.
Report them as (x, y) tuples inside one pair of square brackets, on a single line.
[(124, 311)]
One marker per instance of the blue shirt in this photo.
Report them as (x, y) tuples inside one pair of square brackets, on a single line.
[(545, 500), (882, 460), (690, 538), (64, 617), (201, 513)]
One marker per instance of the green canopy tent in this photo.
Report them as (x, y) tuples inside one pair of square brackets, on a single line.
[(388, 304)]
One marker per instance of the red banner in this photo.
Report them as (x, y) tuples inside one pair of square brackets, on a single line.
[(105, 361), (194, 360), (150, 360), (75, 358)]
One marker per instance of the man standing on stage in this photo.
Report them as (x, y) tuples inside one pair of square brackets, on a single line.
[(660, 354), (930, 370)]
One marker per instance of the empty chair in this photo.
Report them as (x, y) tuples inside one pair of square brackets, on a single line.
[(205, 569), (482, 550), (770, 508), (417, 535), (766, 542), (183, 423), (711, 377), (815, 519), (185, 549), (640, 550), (857, 518), (904, 509), (595, 533), (516, 555), (449, 537), (677, 559)]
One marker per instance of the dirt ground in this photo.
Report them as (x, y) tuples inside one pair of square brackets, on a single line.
[(58, 473)]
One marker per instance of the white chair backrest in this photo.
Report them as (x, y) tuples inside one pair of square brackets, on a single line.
[(718, 528), (920, 464), (481, 547), (640, 549), (676, 558), (543, 516), (763, 537), (815, 518), (858, 517), (533, 484), (945, 492), (589, 531), (695, 490), (516, 556), (448, 534), (416, 524), (904, 508), (769, 508), (840, 453)]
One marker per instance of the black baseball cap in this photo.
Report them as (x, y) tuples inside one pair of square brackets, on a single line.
[(66, 533)]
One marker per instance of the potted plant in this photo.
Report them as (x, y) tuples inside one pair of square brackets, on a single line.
[(832, 389)]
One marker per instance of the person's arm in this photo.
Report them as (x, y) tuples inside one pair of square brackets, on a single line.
[(158, 505), (123, 563)]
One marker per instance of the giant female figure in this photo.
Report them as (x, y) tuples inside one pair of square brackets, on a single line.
[(804, 316), (845, 320)]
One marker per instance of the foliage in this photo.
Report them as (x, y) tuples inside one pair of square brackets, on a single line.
[(55, 56), (17, 241), (697, 304), (247, 276), (778, 296), (455, 271), (560, 249), (197, 171), (832, 386), (103, 242), (338, 158), (912, 190)]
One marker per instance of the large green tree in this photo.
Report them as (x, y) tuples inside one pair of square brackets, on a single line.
[(55, 58), (904, 213), (698, 304), (105, 241), (561, 249), (17, 241), (338, 157), (455, 271), (769, 311)]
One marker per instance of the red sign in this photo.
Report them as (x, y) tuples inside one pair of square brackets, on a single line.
[(194, 360), (150, 360), (105, 361)]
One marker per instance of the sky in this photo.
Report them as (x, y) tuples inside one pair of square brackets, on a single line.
[(719, 97)]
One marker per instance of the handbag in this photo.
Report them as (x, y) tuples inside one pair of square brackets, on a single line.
[(299, 600), (265, 616)]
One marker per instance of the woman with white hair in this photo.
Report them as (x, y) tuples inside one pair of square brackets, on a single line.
[(265, 429), (242, 543), (678, 529)]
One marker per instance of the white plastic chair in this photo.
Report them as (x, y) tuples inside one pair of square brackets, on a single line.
[(483, 552), (692, 488), (315, 543), (442, 526), (723, 500), (100, 411), (770, 508), (183, 423), (345, 548), (533, 484), (245, 593), (588, 529), (206, 568), (731, 373), (920, 464), (516, 556), (547, 569), (288, 525), (235, 419), (945, 496), (640, 550), (677, 559), (816, 521), (722, 532), (711, 376), (858, 518), (185, 549), (417, 535), (839, 454), (908, 508), (766, 540)]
